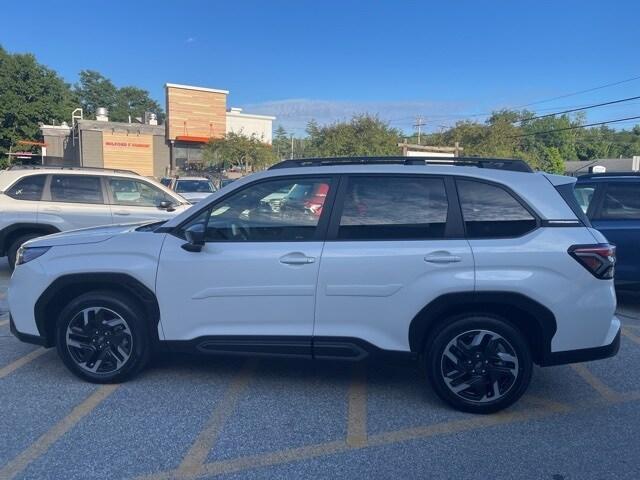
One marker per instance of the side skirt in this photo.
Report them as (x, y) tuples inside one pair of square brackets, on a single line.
[(316, 348)]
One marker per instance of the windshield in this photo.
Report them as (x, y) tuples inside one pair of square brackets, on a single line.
[(194, 186)]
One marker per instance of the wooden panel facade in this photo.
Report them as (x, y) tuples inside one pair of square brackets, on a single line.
[(195, 113), (128, 152)]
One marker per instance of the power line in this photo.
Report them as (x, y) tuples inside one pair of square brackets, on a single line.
[(582, 108), (579, 92), (576, 127)]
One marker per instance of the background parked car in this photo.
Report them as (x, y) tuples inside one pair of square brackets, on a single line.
[(193, 189), (37, 201), (611, 201)]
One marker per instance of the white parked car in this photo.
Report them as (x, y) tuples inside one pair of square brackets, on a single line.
[(478, 273), (37, 201), (193, 189)]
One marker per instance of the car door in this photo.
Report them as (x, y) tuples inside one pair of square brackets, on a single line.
[(252, 286), (395, 244), (74, 201), (136, 200), (617, 216)]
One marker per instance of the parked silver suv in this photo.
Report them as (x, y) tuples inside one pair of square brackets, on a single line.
[(37, 201)]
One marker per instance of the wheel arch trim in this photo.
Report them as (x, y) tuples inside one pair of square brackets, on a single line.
[(66, 287), (28, 227), (535, 316)]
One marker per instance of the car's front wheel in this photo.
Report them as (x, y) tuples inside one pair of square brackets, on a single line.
[(102, 337), (479, 364)]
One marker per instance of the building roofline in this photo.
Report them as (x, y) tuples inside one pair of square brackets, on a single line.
[(249, 115), (192, 87)]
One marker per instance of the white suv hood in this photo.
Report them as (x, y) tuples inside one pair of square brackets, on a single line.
[(84, 235)]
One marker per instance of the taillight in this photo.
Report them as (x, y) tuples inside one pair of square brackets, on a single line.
[(599, 259)]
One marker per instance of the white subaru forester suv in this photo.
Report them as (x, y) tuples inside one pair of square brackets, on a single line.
[(477, 271), (40, 200)]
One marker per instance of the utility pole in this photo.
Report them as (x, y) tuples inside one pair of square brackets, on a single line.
[(291, 146), (419, 123)]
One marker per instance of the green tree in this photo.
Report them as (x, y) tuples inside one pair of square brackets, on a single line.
[(29, 93), (94, 90), (134, 102), (237, 150), (363, 135), (281, 143)]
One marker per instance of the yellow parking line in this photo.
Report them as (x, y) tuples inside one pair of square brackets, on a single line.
[(547, 403), (42, 444), (595, 382), (4, 371), (357, 410), (276, 458), (197, 454), (330, 448), (631, 336), (4, 322)]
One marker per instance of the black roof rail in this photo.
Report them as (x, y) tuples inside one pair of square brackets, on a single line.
[(512, 164), (607, 174), (70, 167)]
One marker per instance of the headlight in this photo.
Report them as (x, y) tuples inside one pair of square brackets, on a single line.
[(26, 254)]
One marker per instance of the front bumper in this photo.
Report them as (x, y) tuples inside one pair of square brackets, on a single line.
[(584, 354), (25, 337)]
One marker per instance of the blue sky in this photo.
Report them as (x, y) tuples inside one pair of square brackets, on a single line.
[(329, 59)]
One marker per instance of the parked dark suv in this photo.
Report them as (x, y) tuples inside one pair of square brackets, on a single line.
[(612, 203)]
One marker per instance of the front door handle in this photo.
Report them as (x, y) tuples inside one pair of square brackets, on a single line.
[(296, 258), (442, 257), (122, 212)]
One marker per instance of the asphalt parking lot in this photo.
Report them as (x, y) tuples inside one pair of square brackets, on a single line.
[(195, 417)]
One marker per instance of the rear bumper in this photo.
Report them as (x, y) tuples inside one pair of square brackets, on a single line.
[(25, 337), (584, 354)]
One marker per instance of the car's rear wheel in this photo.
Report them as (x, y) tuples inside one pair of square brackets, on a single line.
[(12, 251), (479, 364), (102, 337)]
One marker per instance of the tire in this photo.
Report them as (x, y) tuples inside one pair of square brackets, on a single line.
[(103, 337), (12, 251), (478, 363)]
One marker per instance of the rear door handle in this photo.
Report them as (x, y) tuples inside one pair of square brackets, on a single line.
[(51, 209), (296, 258), (442, 257)]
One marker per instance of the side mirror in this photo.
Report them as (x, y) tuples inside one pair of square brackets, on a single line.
[(195, 238), (166, 205)]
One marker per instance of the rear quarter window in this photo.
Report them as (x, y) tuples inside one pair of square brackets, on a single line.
[(28, 188), (490, 211)]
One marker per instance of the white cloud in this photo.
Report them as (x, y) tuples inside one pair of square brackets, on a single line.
[(190, 40), (294, 114)]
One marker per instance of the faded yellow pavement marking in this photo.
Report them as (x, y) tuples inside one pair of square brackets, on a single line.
[(42, 444), (597, 384), (547, 403), (4, 322), (387, 438), (631, 336), (197, 454), (357, 408), (4, 371)]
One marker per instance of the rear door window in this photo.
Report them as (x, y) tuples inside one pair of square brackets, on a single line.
[(76, 189), (28, 188), (621, 201), (394, 208), (490, 211)]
